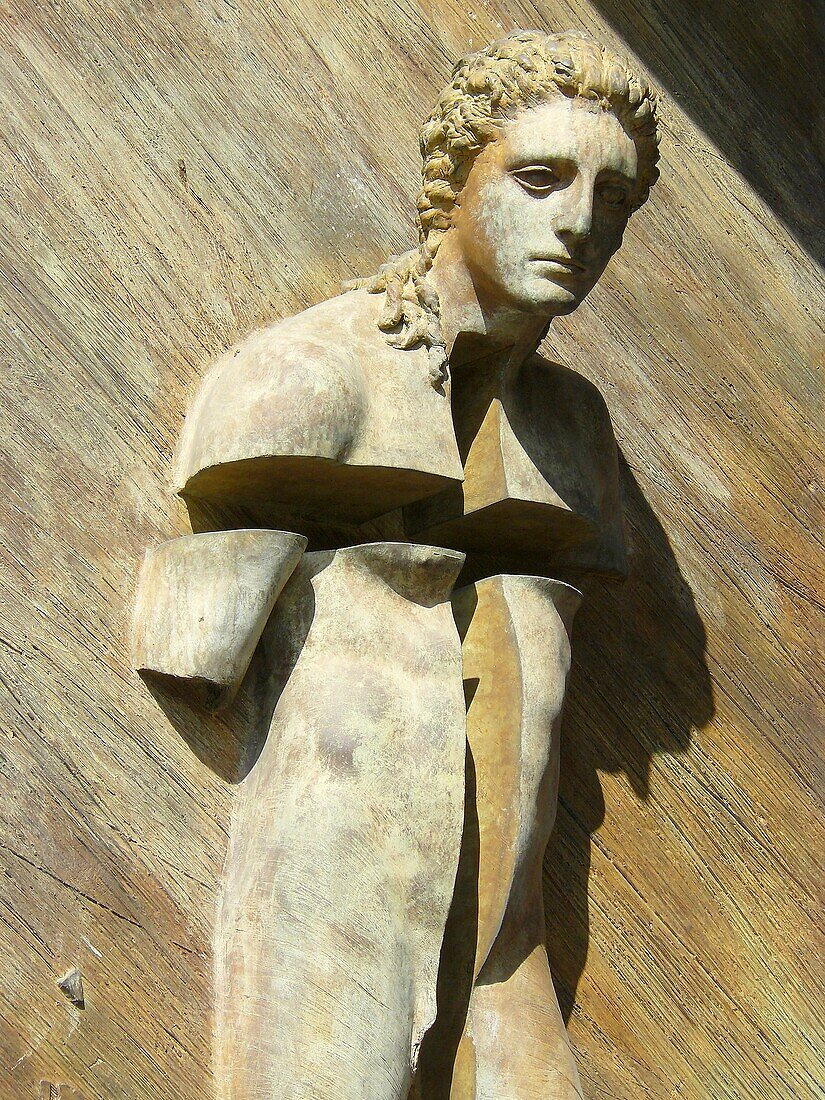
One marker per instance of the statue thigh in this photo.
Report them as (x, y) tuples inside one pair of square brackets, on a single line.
[(515, 1043)]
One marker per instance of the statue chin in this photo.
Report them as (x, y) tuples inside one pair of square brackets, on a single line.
[(542, 289), (551, 298)]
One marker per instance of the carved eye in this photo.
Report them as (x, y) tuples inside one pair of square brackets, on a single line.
[(613, 194), (538, 179)]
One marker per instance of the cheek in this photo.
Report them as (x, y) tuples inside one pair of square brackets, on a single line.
[(479, 229), (505, 221), (606, 238)]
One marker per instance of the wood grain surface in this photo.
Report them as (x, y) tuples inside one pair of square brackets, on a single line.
[(177, 173)]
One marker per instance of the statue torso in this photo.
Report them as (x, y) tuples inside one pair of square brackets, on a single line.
[(382, 678)]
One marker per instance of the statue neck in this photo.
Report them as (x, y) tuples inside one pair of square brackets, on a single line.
[(473, 328)]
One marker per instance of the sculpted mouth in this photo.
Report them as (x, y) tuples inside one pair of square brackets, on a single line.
[(564, 263)]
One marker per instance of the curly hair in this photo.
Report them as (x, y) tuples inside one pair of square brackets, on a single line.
[(512, 74)]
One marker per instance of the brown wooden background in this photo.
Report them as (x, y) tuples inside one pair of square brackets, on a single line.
[(178, 172)]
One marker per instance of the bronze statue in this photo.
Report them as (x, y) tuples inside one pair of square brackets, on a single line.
[(424, 490)]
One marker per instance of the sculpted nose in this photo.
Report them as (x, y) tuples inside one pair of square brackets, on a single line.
[(576, 215)]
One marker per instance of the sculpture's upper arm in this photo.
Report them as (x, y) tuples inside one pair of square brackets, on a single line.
[(280, 393), (597, 454)]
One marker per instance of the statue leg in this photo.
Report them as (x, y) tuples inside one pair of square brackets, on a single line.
[(514, 1045), (317, 997), (516, 657), (520, 1044)]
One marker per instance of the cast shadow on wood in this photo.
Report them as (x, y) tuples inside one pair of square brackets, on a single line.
[(639, 686), (751, 85)]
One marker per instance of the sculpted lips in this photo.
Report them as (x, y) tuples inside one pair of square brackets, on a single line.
[(561, 265)]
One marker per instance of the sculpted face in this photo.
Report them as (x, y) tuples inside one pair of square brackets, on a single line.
[(545, 206)]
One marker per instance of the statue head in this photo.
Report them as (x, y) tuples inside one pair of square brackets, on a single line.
[(534, 157)]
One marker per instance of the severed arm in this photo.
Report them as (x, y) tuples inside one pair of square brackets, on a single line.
[(203, 601)]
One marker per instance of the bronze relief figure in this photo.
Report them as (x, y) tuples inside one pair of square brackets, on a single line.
[(422, 492)]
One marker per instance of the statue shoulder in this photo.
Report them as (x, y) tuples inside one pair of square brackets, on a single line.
[(572, 415), (319, 417), (578, 395), (293, 389)]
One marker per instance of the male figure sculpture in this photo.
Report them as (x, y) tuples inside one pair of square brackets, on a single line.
[(381, 934)]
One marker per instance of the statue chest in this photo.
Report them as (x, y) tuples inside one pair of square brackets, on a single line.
[(540, 475)]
